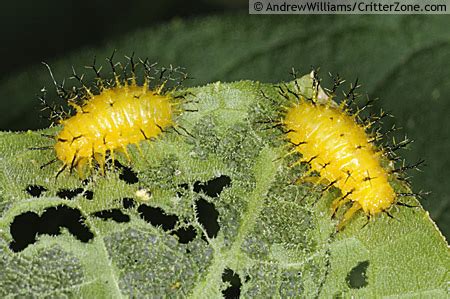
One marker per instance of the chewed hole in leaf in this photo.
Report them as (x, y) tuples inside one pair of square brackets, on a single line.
[(157, 217), (185, 234), (71, 193), (126, 173), (208, 216), (113, 214), (357, 278), (182, 187), (88, 194), (235, 284), (23, 230), (128, 203), (25, 227), (35, 190), (213, 187)]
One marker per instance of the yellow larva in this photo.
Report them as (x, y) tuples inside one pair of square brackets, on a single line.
[(339, 149), (109, 121)]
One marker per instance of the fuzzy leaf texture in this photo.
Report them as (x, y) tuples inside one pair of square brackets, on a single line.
[(257, 234), (402, 59)]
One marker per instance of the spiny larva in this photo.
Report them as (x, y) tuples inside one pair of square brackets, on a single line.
[(120, 113), (337, 146)]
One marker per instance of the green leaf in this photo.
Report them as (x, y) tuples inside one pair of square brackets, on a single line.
[(275, 235), (402, 59)]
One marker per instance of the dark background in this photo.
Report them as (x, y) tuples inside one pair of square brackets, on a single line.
[(34, 31), (403, 60)]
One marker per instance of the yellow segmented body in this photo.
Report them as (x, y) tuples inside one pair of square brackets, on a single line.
[(110, 121), (340, 150)]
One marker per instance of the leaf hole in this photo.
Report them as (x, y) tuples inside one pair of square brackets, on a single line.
[(126, 173), (71, 193), (357, 278), (113, 214), (185, 234), (35, 190), (128, 203), (213, 187), (208, 216), (25, 227), (88, 194), (183, 186), (234, 289), (157, 217)]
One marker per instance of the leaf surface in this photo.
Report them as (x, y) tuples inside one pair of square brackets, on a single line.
[(181, 237), (402, 59)]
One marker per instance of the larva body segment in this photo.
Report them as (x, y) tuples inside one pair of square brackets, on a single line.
[(109, 121), (340, 150)]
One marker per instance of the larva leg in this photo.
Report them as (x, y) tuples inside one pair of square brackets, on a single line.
[(316, 180), (48, 163), (355, 207), (112, 155), (337, 203), (90, 159), (61, 170), (295, 149), (100, 158), (295, 163), (81, 165), (138, 146), (125, 151)]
